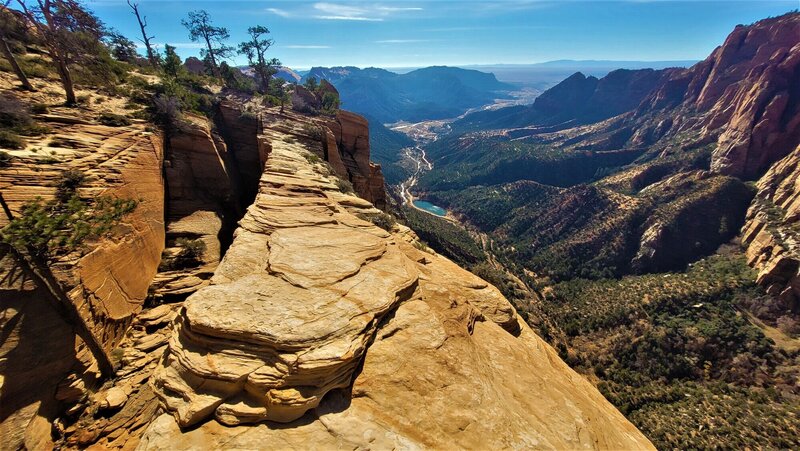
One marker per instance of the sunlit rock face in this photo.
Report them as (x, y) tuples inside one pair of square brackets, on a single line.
[(355, 336)]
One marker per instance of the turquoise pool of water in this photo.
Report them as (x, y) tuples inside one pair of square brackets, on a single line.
[(430, 208)]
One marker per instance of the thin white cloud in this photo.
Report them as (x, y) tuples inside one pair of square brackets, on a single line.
[(279, 12), (306, 46), (400, 41), (339, 10), (363, 13), (363, 19), (397, 8)]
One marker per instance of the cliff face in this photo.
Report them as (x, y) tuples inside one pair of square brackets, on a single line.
[(345, 144), (203, 191), (106, 283), (317, 313), (745, 97), (770, 232)]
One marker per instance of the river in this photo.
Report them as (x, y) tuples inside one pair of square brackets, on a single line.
[(421, 164), (426, 132)]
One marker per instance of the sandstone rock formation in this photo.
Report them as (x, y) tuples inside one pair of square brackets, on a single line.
[(202, 203), (770, 233), (106, 282), (747, 93), (358, 338)]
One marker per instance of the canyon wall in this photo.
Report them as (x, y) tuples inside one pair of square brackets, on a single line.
[(770, 233), (43, 361)]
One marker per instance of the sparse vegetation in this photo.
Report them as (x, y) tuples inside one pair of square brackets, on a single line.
[(5, 159), (9, 140), (63, 225), (113, 120), (313, 131), (39, 108), (312, 158), (672, 352), (189, 255), (382, 220), (344, 185)]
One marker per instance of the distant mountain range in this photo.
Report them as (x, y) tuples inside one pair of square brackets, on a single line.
[(545, 75), (440, 92), (576, 100), (437, 92)]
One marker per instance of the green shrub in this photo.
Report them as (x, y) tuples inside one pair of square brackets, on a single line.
[(9, 140), (330, 103), (14, 118), (59, 227), (382, 220), (5, 159), (47, 160), (249, 115), (312, 158), (190, 255), (113, 120), (312, 131), (68, 184), (39, 108), (344, 185)]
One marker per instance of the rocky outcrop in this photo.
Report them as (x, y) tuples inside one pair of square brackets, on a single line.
[(305, 101), (373, 341), (753, 91), (744, 97), (202, 203), (770, 233), (106, 282), (351, 132), (694, 213)]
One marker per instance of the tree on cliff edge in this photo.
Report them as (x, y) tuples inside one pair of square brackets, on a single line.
[(8, 24), (255, 49), (201, 29), (70, 34)]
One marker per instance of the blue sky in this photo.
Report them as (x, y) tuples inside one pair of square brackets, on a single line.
[(444, 32)]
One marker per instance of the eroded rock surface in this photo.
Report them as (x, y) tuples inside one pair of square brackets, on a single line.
[(355, 337), (43, 364), (770, 232)]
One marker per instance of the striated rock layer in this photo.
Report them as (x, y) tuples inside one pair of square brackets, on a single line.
[(42, 361), (359, 337), (770, 233)]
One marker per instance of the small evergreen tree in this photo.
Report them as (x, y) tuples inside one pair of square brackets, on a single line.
[(70, 34), (172, 64), (122, 48), (255, 49), (201, 30), (311, 84)]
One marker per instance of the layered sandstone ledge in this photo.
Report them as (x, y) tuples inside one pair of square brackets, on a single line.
[(770, 232), (358, 337)]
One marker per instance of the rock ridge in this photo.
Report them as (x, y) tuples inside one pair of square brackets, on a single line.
[(356, 336)]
